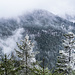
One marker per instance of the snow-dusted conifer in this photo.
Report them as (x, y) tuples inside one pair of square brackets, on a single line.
[(66, 59), (26, 54)]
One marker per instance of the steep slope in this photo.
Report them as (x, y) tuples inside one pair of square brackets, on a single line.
[(45, 19), (44, 27), (68, 17)]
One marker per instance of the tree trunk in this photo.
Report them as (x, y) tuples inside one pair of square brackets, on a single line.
[(5, 65), (43, 66), (26, 63)]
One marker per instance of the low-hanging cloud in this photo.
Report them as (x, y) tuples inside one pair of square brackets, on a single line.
[(10, 8), (9, 44)]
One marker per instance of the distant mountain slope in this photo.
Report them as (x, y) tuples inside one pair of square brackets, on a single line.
[(68, 17), (44, 27), (45, 19)]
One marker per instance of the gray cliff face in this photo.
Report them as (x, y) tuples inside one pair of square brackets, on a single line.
[(43, 27)]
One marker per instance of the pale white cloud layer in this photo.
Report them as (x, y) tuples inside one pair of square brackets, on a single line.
[(10, 8), (9, 44)]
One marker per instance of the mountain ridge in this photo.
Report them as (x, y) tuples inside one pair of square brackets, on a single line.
[(43, 27)]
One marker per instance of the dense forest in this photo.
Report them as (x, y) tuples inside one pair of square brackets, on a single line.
[(25, 63), (37, 43), (37, 37)]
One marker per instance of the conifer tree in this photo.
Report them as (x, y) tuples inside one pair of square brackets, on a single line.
[(26, 55), (1, 54), (41, 70), (66, 58), (7, 66)]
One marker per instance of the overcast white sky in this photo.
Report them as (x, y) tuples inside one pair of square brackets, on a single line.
[(11, 8)]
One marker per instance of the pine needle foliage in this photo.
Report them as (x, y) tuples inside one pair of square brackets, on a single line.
[(26, 55), (66, 59)]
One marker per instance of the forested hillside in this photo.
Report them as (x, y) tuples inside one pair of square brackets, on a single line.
[(43, 27)]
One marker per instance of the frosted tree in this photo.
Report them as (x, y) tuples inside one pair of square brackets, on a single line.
[(66, 58), (1, 54), (26, 54)]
